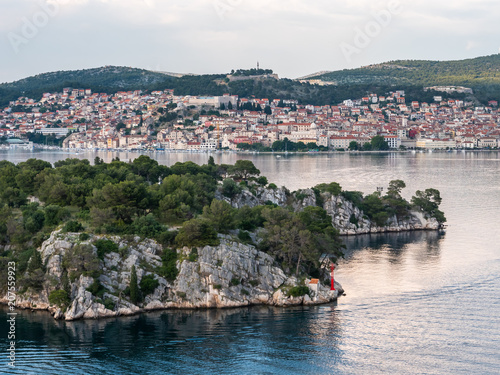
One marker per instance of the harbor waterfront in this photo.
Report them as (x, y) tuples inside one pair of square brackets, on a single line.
[(417, 302)]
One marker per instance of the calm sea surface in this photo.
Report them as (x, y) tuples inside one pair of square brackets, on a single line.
[(417, 303)]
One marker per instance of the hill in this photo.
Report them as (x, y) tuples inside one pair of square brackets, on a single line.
[(475, 72), (104, 79), (482, 74), (111, 79)]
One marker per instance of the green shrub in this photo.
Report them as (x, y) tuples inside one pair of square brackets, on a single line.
[(81, 259), (146, 226), (217, 286), (298, 291), (96, 289), (235, 281), (169, 265), (230, 188), (33, 221), (272, 186), (109, 304), (39, 238), (123, 251), (354, 220), (220, 215), (333, 188), (193, 255), (72, 226), (300, 196), (84, 215), (249, 218), (167, 237), (59, 298), (105, 246), (55, 214), (380, 218), (148, 284), (244, 237), (181, 294), (253, 283), (262, 180), (84, 236), (245, 292), (319, 198), (197, 232), (356, 197)]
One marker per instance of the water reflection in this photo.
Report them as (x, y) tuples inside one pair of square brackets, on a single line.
[(224, 341), (396, 240), (395, 245), (389, 263)]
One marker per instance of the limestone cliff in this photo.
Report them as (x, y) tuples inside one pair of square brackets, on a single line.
[(259, 196), (228, 275), (346, 217)]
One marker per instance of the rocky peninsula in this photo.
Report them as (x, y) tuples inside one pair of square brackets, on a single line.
[(102, 240)]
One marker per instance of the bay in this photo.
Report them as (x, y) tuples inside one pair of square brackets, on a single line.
[(416, 303)]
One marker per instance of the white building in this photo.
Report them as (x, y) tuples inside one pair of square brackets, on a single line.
[(393, 141), (436, 143), (213, 101)]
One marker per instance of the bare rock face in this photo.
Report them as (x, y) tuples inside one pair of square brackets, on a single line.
[(261, 196), (303, 198), (228, 275)]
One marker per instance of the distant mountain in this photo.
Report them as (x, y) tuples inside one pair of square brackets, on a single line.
[(475, 72)]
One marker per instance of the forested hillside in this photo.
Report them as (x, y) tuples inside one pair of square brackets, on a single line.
[(481, 74)]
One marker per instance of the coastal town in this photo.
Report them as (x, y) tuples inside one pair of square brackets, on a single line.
[(160, 120)]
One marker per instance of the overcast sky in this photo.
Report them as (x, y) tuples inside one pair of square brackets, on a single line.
[(292, 37)]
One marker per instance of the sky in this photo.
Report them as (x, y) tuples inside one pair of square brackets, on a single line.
[(293, 37)]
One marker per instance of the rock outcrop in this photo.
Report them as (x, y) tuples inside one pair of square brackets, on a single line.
[(346, 217), (260, 196), (228, 275), (350, 220)]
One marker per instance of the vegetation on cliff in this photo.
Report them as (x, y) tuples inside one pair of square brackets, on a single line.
[(379, 208), (175, 205)]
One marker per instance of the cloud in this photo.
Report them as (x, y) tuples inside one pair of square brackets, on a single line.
[(293, 37)]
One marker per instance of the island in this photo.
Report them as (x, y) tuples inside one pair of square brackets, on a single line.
[(86, 240)]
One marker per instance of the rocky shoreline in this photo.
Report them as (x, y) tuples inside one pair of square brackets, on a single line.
[(224, 276)]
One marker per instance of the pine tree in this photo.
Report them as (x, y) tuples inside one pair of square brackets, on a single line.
[(35, 262), (134, 288), (65, 282)]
